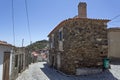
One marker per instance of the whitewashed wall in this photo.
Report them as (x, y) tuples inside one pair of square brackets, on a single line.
[(1, 64), (2, 50)]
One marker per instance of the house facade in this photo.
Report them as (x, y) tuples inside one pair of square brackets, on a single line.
[(79, 42), (20, 61), (114, 43), (5, 60), (13, 60)]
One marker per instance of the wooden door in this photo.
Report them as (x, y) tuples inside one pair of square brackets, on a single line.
[(6, 64)]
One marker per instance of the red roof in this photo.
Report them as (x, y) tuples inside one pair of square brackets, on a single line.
[(4, 43)]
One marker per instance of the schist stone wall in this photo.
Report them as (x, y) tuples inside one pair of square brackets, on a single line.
[(20, 61), (79, 42), (84, 42)]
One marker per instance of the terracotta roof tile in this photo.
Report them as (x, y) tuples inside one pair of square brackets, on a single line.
[(114, 29), (4, 43), (76, 18)]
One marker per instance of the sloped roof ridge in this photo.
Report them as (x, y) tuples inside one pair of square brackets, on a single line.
[(64, 21), (4, 43)]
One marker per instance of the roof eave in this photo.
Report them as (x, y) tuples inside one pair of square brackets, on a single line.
[(103, 20)]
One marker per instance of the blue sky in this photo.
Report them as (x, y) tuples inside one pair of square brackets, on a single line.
[(44, 15)]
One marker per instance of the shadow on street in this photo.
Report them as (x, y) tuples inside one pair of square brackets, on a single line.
[(53, 74)]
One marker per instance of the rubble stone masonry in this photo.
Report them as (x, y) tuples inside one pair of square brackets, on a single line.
[(20, 61), (84, 44)]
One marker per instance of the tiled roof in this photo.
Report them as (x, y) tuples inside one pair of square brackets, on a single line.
[(72, 19), (4, 43), (114, 29)]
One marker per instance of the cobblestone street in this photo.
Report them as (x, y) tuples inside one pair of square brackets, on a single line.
[(40, 71)]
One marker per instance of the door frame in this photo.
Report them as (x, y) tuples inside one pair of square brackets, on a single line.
[(6, 65), (58, 60)]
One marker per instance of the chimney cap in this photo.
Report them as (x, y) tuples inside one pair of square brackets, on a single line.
[(81, 3)]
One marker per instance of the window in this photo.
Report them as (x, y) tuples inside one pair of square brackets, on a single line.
[(16, 60), (52, 41), (60, 36)]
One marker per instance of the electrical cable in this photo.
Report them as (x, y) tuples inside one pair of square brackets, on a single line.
[(13, 25), (115, 17), (28, 23)]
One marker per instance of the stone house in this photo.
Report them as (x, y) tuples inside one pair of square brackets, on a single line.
[(114, 43), (20, 61), (13, 60), (78, 42), (5, 60), (35, 55), (39, 55)]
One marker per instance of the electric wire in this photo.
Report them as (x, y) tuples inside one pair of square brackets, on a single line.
[(13, 25), (28, 22), (115, 17), (113, 21)]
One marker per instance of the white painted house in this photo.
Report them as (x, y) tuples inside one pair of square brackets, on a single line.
[(5, 60)]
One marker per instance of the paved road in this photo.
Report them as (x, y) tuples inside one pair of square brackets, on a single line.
[(40, 71)]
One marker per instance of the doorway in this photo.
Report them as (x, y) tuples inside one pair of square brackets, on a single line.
[(6, 64), (58, 61)]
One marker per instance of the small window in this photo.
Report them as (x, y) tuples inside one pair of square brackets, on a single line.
[(52, 41), (60, 36), (16, 60)]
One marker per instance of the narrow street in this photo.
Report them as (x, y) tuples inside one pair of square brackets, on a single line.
[(40, 71)]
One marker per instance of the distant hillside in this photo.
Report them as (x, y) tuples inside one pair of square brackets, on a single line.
[(38, 45)]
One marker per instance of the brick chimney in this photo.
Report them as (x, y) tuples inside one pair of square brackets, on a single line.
[(82, 10)]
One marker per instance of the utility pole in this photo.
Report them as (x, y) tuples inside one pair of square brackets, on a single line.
[(22, 42)]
